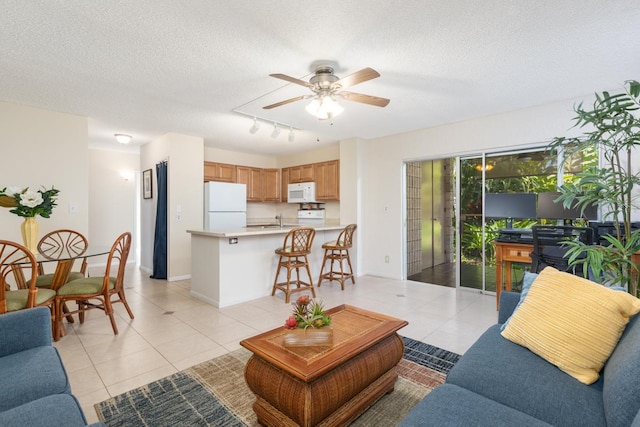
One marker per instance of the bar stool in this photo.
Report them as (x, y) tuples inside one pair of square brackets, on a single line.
[(293, 256), (338, 251)]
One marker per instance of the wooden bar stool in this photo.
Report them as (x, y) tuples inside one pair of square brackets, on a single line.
[(338, 251), (293, 256)]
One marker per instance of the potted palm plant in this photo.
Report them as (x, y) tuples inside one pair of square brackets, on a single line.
[(611, 125)]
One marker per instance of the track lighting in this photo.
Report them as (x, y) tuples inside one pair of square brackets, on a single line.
[(292, 136), (276, 130), (255, 127), (122, 138)]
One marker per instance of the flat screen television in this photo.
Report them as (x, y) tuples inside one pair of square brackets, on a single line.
[(510, 206), (549, 209)]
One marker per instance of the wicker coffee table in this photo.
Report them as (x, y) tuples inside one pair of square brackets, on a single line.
[(325, 386)]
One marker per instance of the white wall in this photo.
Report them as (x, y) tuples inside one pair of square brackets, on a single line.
[(45, 148), (382, 193), (113, 192), (185, 156)]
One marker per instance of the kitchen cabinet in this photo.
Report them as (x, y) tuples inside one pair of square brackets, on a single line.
[(263, 185), (302, 173), (270, 185), (327, 179), (251, 178), (219, 172), (284, 179)]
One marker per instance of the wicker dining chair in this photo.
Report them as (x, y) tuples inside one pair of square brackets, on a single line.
[(17, 263), (338, 251), (57, 243), (293, 256), (97, 292)]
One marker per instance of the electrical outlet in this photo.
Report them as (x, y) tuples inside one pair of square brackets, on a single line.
[(386, 259), (233, 241)]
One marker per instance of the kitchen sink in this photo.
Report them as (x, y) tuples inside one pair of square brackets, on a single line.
[(271, 226), (263, 226)]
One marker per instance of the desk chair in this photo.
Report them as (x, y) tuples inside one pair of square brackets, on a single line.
[(293, 256), (548, 249), (338, 251)]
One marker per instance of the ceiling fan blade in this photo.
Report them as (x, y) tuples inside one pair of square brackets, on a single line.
[(291, 79), (365, 99), (288, 101), (358, 77)]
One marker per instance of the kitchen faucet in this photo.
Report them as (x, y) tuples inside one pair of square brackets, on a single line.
[(279, 218)]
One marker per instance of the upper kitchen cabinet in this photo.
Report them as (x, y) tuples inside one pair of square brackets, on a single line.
[(251, 177), (219, 172), (263, 185), (302, 173), (270, 185), (284, 179), (327, 179)]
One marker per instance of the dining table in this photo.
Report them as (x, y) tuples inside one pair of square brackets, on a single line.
[(64, 257)]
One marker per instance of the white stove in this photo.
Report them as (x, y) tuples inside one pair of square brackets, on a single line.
[(311, 216)]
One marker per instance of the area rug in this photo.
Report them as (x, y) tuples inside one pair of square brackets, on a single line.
[(214, 393)]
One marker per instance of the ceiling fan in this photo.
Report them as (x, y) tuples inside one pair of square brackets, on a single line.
[(327, 87)]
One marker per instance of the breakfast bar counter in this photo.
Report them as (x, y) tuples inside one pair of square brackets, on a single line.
[(237, 265)]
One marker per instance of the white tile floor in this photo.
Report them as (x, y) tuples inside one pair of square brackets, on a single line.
[(173, 331)]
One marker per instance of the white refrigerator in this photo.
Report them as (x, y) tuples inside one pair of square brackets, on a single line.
[(225, 206)]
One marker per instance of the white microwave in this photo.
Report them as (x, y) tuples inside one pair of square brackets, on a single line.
[(303, 192)]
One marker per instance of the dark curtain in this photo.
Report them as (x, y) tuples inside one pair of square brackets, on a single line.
[(160, 238)]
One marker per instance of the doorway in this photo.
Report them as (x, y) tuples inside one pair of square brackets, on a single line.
[(430, 209)]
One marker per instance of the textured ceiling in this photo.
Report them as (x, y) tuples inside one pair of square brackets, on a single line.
[(148, 67)]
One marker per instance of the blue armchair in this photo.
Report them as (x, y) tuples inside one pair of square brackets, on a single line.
[(34, 387)]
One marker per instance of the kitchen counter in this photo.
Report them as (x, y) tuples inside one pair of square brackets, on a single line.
[(237, 265), (263, 229)]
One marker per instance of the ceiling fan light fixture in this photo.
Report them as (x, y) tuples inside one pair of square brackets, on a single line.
[(324, 107), (255, 127), (122, 138), (276, 131)]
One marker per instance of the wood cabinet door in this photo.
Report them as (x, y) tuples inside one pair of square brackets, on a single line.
[(254, 189), (243, 176), (270, 185), (327, 178), (226, 173), (219, 172), (284, 178), (307, 173), (295, 174)]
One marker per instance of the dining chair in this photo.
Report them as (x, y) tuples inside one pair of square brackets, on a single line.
[(97, 292), (59, 243), (17, 263), (338, 251), (293, 256)]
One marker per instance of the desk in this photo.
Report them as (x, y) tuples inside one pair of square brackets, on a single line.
[(508, 252)]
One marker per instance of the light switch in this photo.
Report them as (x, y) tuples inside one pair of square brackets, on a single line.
[(73, 207)]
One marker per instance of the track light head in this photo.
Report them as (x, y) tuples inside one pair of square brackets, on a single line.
[(292, 135), (276, 130), (255, 127)]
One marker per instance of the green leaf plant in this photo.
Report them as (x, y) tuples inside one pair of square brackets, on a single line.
[(612, 126)]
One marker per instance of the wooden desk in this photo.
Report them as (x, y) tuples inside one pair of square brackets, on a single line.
[(508, 252)]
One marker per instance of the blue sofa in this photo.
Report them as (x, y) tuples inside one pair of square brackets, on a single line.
[(499, 383), (34, 387)]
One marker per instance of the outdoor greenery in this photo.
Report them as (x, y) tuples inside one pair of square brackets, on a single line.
[(612, 126)]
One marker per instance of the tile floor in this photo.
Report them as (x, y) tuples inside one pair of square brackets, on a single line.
[(172, 331)]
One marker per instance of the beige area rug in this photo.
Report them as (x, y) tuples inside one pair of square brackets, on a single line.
[(214, 393)]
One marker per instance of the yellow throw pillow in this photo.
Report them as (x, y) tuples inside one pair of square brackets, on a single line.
[(571, 322)]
